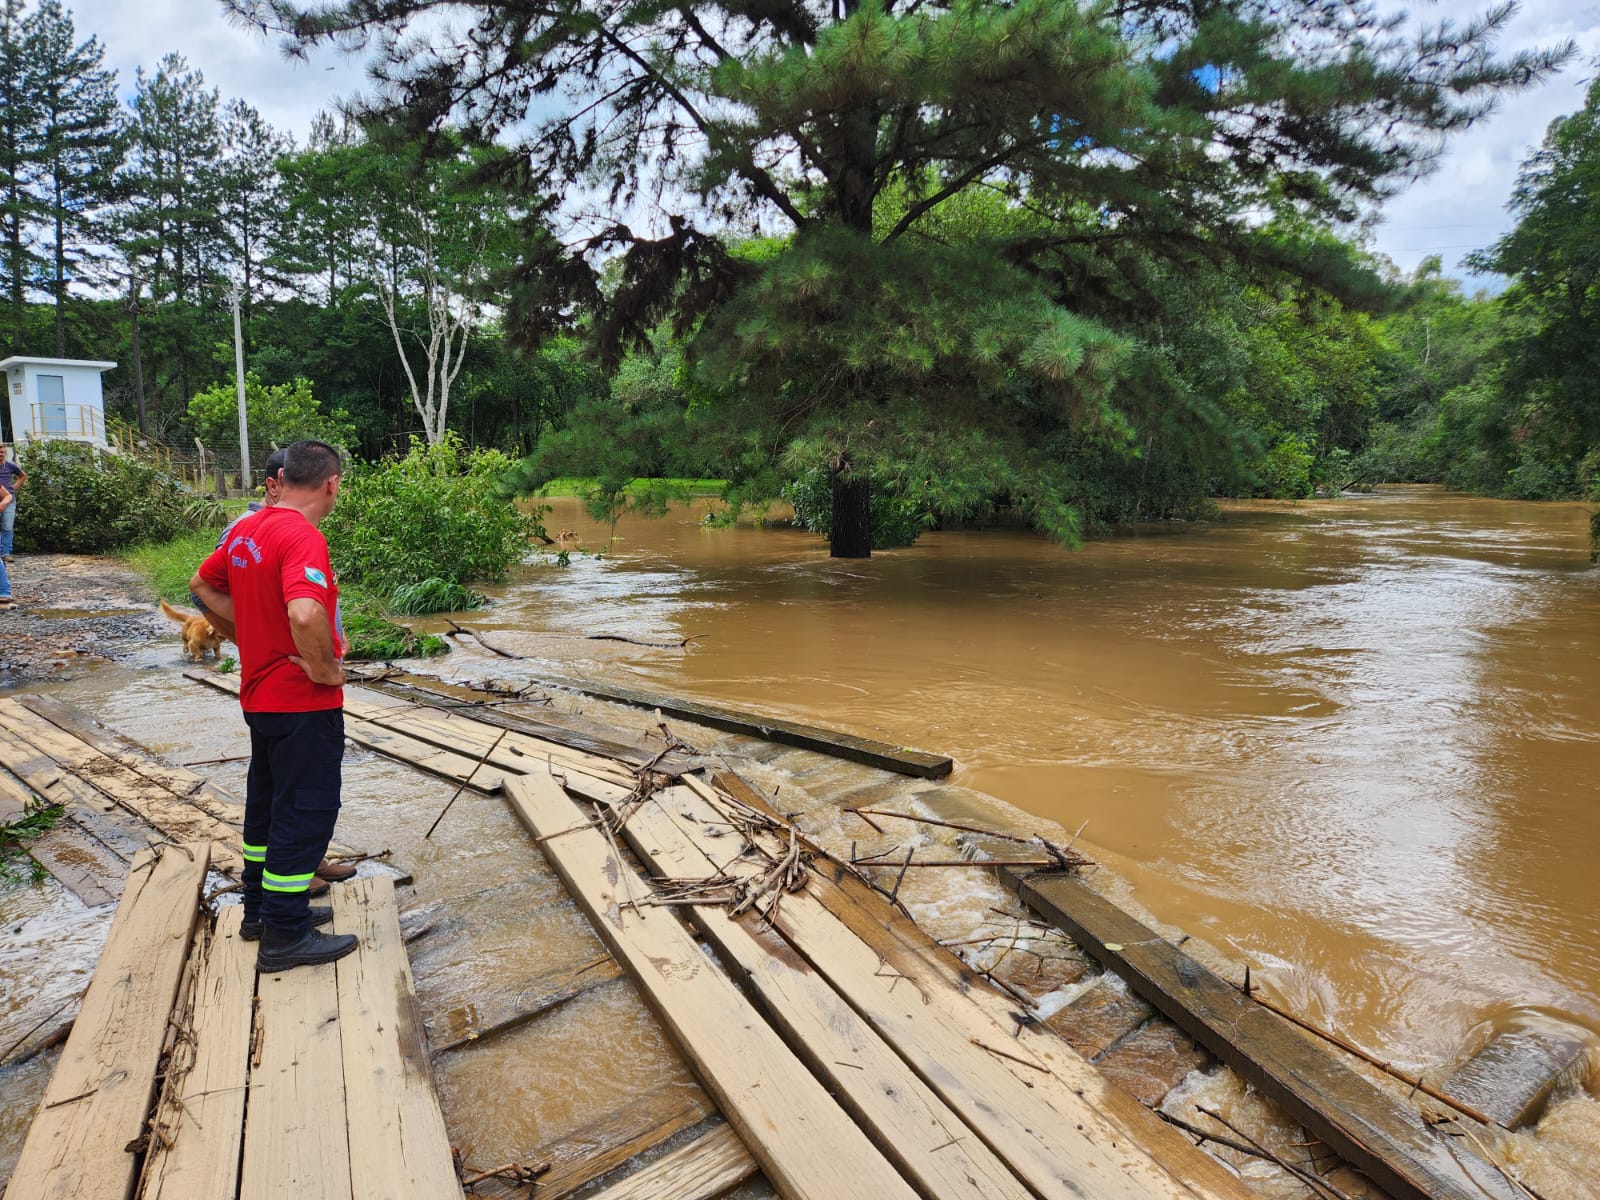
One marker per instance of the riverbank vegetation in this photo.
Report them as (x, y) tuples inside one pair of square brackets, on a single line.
[(1027, 261)]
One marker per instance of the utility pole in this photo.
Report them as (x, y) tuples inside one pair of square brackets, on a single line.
[(238, 374)]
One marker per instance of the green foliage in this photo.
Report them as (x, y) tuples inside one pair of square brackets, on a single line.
[(37, 818), (433, 595), (277, 413), (171, 564), (895, 519), (1286, 469), (370, 637), (82, 500), (436, 512)]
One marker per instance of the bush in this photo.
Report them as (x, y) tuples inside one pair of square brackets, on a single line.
[(83, 500), (895, 520), (280, 413), (436, 513)]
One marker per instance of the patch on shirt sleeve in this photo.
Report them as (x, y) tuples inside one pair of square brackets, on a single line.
[(316, 577)]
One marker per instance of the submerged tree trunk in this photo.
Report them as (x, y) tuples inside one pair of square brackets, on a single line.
[(851, 535)]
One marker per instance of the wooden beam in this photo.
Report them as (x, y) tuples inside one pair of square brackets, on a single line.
[(708, 1166), (398, 1144), (780, 1112), (200, 1117), (103, 1086), (1386, 1140), (929, 1143), (900, 759), (83, 866), (296, 1142), (1040, 1116), (506, 1006), (549, 731), (121, 832)]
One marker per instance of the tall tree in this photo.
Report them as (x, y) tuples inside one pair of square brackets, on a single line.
[(250, 206), (172, 221), (20, 146), (82, 147), (1142, 131)]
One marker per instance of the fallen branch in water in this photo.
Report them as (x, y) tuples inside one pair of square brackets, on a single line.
[(1063, 857), (1312, 1180), (463, 631), (617, 637), (511, 1173)]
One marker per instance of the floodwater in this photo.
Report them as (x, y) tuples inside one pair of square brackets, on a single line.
[(1350, 743)]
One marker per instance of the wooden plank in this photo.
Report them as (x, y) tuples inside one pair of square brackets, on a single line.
[(1383, 1138), (901, 759), (780, 1111), (906, 950), (398, 1144), (646, 1120), (295, 1139), (120, 831), (201, 1113), (546, 730), (178, 819), (930, 1145), (104, 1083), (1512, 1077), (706, 1167), (80, 864), (507, 1006), (1045, 1125), (422, 755)]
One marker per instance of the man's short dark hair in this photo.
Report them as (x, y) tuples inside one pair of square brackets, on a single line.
[(274, 464), (310, 464)]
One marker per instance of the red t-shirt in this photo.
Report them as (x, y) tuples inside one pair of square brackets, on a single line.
[(270, 558)]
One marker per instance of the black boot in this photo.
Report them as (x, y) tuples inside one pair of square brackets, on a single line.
[(250, 931), (279, 953)]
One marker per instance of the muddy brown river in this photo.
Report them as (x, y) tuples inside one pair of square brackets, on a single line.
[(1354, 744)]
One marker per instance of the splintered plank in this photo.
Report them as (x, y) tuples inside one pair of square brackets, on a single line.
[(1383, 1138), (646, 1120), (201, 1114), (398, 1145), (295, 1140), (175, 817), (932, 1147), (103, 1086), (423, 755), (506, 1007), (1053, 1138), (779, 1110), (708, 1166)]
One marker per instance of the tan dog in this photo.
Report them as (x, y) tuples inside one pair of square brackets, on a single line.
[(198, 636)]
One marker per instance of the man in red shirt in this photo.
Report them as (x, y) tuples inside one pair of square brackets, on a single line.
[(271, 583)]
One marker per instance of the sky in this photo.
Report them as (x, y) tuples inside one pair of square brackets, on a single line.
[(1459, 208)]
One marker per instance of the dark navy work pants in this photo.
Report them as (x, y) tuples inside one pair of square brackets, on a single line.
[(291, 804)]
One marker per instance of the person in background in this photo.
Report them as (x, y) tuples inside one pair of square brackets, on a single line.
[(7, 503), (11, 476), (270, 587)]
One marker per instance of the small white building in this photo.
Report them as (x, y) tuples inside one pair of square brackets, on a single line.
[(55, 398)]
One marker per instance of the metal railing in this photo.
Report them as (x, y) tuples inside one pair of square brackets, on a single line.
[(80, 421)]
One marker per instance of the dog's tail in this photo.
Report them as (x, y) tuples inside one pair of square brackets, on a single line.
[(177, 614)]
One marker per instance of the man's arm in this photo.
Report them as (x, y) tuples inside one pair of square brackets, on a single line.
[(216, 605), (308, 625)]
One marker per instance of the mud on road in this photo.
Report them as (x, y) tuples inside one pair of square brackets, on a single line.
[(72, 607)]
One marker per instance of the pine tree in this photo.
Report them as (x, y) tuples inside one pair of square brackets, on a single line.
[(20, 148), (1147, 136), (251, 201), (82, 148)]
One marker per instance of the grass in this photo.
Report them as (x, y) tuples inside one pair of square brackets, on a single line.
[(170, 565), (579, 485)]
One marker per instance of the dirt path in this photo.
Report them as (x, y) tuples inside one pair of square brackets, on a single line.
[(71, 607)]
